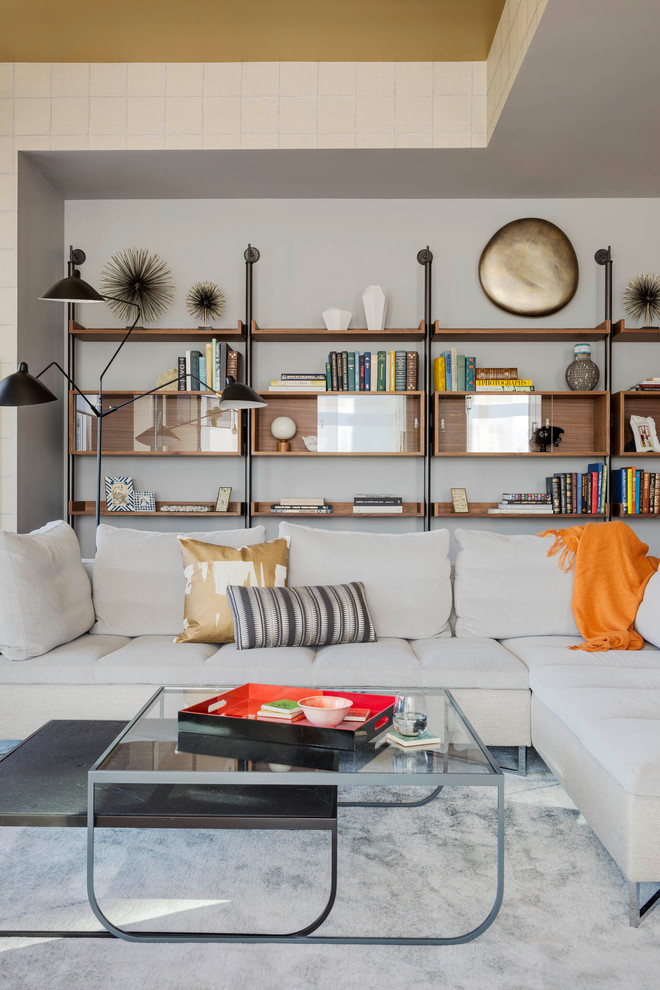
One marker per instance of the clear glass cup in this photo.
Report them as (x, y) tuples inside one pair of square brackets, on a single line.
[(410, 714)]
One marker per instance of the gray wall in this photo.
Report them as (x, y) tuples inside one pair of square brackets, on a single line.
[(40, 445), (317, 253)]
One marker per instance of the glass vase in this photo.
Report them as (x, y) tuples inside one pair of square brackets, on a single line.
[(582, 374)]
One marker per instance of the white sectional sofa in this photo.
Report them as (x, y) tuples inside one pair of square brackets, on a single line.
[(593, 717)]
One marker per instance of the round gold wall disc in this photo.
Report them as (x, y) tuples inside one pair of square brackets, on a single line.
[(529, 267)]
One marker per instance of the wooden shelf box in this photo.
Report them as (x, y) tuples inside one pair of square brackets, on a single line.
[(625, 405), (163, 424), (584, 417)]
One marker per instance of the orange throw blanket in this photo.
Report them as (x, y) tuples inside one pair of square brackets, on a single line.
[(611, 573)]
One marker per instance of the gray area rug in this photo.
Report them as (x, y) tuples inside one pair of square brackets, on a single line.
[(419, 871)]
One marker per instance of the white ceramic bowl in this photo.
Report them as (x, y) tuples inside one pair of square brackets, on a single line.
[(325, 710)]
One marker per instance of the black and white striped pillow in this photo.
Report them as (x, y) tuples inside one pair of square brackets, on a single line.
[(308, 616)]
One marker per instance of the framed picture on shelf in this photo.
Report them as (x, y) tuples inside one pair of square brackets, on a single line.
[(644, 433), (144, 502), (459, 500), (222, 501), (119, 493)]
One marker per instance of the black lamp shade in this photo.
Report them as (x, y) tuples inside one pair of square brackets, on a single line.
[(73, 289), (23, 389), (237, 396)]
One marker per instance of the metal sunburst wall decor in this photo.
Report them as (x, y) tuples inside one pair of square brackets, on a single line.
[(641, 298), (134, 275), (205, 301)]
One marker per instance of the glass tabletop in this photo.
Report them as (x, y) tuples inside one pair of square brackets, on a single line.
[(153, 745)]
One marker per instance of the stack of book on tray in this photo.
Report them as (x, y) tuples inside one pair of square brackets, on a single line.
[(298, 381), (386, 371), (649, 385), (377, 504), (524, 503), (636, 491), (294, 504), (285, 708), (208, 372)]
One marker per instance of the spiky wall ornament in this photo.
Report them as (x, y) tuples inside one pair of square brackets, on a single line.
[(205, 301), (136, 276), (641, 298)]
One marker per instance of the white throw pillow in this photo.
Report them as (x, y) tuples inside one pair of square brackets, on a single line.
[(647, 622), (405, 577), (507, 586), (138, 578), (45, 594)]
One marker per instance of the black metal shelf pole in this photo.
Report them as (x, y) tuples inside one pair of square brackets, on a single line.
[(604, 257), (425, 258), (251, 255)]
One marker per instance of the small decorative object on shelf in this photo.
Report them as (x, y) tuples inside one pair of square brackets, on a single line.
[(143, 502), (119, 493), (222, 501), (645, 434), (641, 298), (410, 714), (459, 500), (336, 320), (529, 267), (582, 374), (311, 443), (166, 380), (374, 300), (185, 507), (205, 301), (545, 435), (137, 278), (283, 428)]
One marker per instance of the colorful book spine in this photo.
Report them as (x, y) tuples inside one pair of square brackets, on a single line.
[(470, 369), (328, 377), (439, 382), (392, 385), (412, 360), (344, 371), (382, 366), (400, 371), (215, 381), (460, 366), (208, 368), (447, 358), (234, 364), (333, 371), (367, 371), (454, 369), (181, 371), (361, 383), (351, 371)]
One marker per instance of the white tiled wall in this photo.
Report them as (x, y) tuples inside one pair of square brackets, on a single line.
[(236, 105)]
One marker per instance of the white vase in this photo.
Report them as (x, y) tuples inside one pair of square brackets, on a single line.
[(337, 320), (374, 300)]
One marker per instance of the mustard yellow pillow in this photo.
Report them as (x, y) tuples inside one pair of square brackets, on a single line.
[(210, 569)]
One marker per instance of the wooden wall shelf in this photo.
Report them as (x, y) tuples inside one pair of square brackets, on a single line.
[(618, 513), (342, 510), (89, 508), (584, 416), (636, 335), (301, 407), (479, 510), (522, 334), (154, 334), (625, 405), (292, 335), (190, 426)]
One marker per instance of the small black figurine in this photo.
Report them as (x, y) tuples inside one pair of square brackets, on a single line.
[(546, 435)]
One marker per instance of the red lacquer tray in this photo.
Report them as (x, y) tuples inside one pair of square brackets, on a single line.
[(232, 715)]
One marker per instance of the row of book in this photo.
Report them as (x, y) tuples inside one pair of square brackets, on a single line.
[(454, 372), (208, 371), (567, 493), (363, 504), (386, 371), (636, 491)]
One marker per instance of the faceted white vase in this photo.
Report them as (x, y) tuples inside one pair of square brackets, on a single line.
[(337, 320), (374, 300)]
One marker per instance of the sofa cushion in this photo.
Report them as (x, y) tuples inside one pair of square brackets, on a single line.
[(312, 615), (45, 594), (553, 651), (209, 570), (616, 718), (387, 663), (647, 622), (138, 578), (405, 576), (507, 586), (155, 660), (469, 663), (72, 663), (287, 665)]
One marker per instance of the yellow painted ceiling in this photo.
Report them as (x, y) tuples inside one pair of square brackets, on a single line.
[(247, 30)]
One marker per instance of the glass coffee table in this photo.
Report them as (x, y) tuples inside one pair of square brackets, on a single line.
[(153, 775)]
